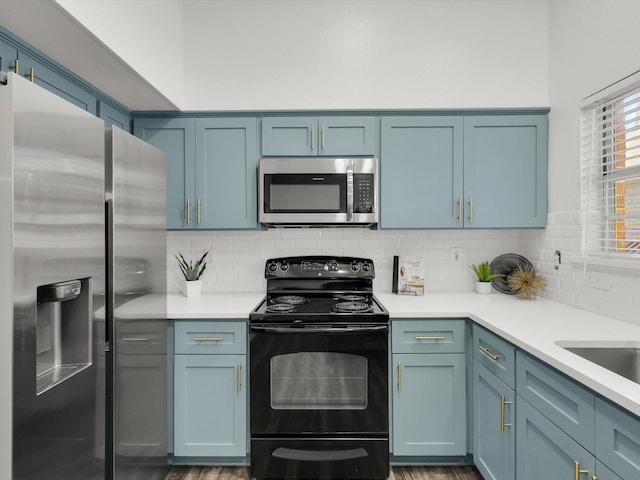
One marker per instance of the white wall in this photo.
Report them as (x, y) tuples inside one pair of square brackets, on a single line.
[(330, 54), (592, 45), (147, 35)]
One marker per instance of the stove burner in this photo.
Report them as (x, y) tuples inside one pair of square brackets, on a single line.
[(280, 308), (352, 307), (291, 300), (352, 298)]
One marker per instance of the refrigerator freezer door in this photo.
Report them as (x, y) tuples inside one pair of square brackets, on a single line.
[(57, 219)]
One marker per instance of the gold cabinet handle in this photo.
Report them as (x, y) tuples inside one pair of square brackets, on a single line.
[(322, 136), (30, 75), (198, 211), (239, 377), (399, 376), (188, 211), (135, 339), (434, 337), (488, 353), (312, 135), (578, 472), (208, 339), (503, 402), (470, 209), (459, 209), (15, 67)]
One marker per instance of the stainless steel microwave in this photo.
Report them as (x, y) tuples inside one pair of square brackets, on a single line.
[(318, 191)]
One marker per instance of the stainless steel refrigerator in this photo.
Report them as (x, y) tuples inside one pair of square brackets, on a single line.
[(66, 381)]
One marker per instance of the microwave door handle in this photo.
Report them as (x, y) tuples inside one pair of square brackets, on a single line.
[(349, 193)]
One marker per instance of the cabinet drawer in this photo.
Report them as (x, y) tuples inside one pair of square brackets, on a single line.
[(496, 354), (618, 439), (428, 336), (566, 403), (211, 337)]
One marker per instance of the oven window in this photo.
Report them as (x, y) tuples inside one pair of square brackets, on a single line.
[(318, 381)]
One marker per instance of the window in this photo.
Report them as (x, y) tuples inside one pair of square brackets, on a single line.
[(611, 176)]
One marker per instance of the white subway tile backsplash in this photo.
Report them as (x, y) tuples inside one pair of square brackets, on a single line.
[(237, 263)]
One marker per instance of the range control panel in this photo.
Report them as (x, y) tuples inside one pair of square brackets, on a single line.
[(321, 266)]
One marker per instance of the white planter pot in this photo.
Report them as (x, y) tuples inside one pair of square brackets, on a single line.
[(192, 289), (483, 287)]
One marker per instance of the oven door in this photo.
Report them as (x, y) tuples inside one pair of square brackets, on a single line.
[(319, 380)]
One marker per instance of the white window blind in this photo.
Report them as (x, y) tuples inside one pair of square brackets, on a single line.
[(611, 176)]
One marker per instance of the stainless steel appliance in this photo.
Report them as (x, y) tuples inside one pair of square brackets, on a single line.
[(55, 296), (319, 372), (318, 191), (136, 310)]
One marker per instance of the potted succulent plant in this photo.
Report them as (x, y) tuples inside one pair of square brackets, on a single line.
[(484, 275), (192, 272)]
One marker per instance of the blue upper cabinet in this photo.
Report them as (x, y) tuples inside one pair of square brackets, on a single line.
[(56, 83), (175, 137), (47, 73), (226, 162), (505, 171), (211, 170), (319, 136), (8, 56), (111, 116), (484, 171), (421, 172)]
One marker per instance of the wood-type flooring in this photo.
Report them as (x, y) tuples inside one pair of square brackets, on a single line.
[(397, 473)]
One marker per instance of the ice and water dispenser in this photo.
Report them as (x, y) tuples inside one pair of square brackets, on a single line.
[(63, 332)]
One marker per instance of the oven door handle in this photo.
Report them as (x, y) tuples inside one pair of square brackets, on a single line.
[(334, 330), (319, 455)]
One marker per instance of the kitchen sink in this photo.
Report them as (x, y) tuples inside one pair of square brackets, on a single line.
[(624, 361)]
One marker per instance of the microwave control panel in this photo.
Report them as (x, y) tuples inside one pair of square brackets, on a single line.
[(363, 193)]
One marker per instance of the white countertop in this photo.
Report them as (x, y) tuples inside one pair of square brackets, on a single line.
[(534, 326)]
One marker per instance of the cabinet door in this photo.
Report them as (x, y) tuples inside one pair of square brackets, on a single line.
[(111, 116), (494, 438), (603, 473), (347, 136), (421, 172), (546, 452), (618, 439), (226, 162), (8, 56), (429, 404), (567, 403), (175, 137), (210, 406), (505, 171), (290, 136), (57, 84)]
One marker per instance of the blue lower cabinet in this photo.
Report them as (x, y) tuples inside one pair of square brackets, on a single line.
[(546, 452), (494, 426), (210, 406), (604, 473), (618, 440), (564, 401), (429, 405)]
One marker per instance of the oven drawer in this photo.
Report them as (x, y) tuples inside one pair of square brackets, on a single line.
[(210, 337), (321, 458), (428, 336)]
